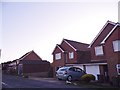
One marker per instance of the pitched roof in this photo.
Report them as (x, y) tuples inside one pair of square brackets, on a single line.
[(108, 22), (22, 57), (117, 24), (58, 46), (77, 46), (28, 53)]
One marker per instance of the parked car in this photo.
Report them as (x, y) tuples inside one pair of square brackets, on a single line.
[(69, 73)]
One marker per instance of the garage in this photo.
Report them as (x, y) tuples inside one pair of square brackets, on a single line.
[(93, 69)]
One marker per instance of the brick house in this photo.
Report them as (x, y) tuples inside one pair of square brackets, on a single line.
[(113, 51), (100, 58), (70, 52), (105, 51), (5, 66), (30, 64)]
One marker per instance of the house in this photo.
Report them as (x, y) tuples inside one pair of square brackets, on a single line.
[(101, 58), (70, 52), (5, 66), (30, 64), (105, 51), (113, 51)]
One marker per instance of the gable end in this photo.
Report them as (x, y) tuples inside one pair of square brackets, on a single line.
[(110, 33), (70, 45), (108, 22)]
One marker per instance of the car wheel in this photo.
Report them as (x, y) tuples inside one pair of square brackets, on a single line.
[(69, 78)]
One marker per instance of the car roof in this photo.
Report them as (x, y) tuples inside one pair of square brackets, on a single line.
[(67, 67), (64, 67)]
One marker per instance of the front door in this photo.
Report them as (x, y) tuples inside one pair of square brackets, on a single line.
[(105, 72)]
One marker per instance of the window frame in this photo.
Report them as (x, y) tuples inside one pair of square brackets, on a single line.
[(116, 48), (118, 68), (58, 56), (71, 55), (99, 51)]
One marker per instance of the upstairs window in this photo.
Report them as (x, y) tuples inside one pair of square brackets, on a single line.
[(71, 55), (116, 45), (99, 50), (58, 56)]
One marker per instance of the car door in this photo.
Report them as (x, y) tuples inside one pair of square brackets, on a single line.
[(78, 72), (73, 73)]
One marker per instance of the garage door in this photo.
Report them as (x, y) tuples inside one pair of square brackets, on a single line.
[(93, 69)]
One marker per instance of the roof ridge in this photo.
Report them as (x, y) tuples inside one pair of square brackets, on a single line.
[(69, 44), (111, 22), (76, 41), (26, 54), (76, 45)]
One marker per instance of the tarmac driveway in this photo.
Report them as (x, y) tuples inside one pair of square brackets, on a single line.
[(9, 81)]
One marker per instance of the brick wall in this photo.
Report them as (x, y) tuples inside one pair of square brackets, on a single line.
[(112, 57), (33, 68)]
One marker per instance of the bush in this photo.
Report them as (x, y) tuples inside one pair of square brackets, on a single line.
[(87, 78)]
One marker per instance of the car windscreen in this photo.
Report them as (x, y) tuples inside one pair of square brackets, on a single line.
[(62, 69)]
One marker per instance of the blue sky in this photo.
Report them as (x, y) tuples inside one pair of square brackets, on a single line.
[(39, 26)]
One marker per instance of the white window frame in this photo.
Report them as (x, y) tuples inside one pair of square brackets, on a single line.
[(118, 68), (99, 50), (57, 56), (116, 45), (71, 55)]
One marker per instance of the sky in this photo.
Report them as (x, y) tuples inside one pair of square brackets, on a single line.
[(39, 25)]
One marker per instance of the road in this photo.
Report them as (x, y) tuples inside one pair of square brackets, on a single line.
[(9, 81)]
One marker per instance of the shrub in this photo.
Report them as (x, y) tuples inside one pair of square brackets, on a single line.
[(87, 78)]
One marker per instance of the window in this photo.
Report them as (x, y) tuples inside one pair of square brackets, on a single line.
[(78, 70), (116, 45), (58, 56), (99, 50), (71, 55), (72, 69), (118, 68)]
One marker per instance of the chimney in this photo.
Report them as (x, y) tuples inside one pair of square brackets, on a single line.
[(119, 11)]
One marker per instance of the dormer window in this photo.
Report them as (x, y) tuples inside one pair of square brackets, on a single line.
[(71, 55), (99, 50), (58, 56), (116, 45)]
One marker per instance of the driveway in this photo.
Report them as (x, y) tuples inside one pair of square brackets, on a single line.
[(9, 81)]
